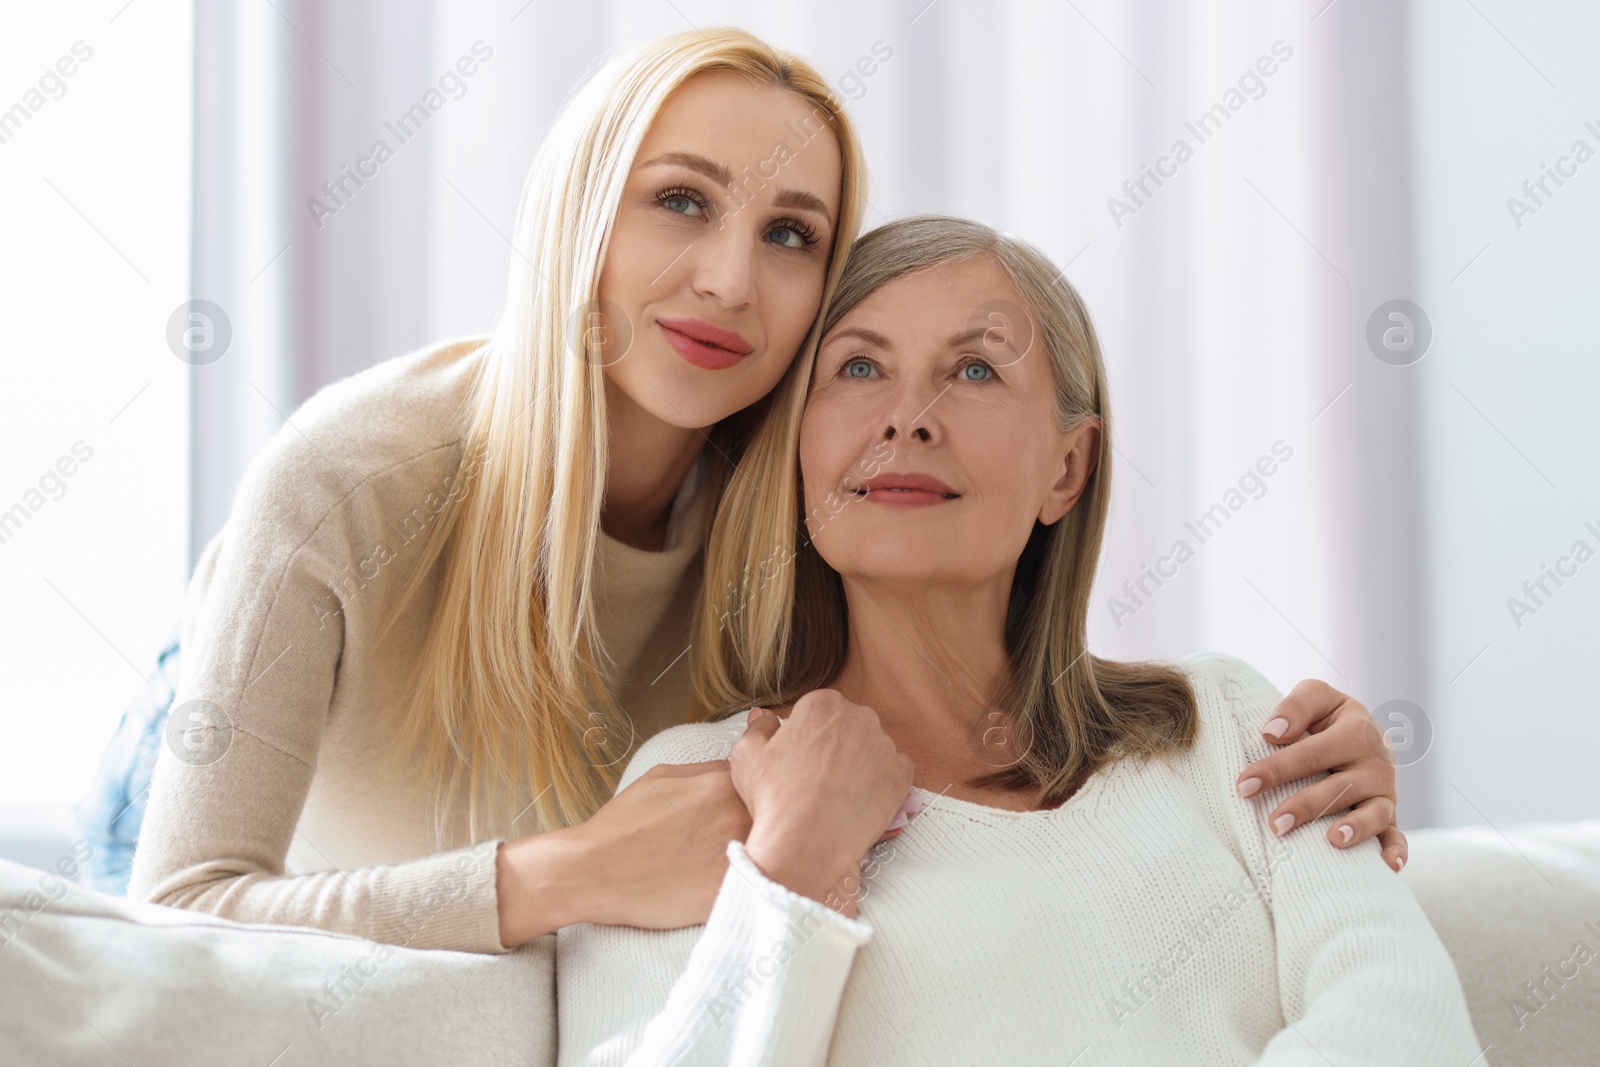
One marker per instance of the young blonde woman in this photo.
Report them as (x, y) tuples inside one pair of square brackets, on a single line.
[(1083, 884), (456, 591)]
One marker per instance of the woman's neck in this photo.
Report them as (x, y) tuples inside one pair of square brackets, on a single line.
[(647, 462), (929, 661)]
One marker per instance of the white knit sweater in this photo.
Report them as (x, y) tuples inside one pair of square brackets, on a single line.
[(1151, 919)]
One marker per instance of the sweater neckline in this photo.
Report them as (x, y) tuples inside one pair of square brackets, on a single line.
[(1085, 797), (684, 527)]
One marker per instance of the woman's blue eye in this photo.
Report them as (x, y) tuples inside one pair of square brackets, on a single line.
[(858, 368), (795, 240), (800, 236), (982, 377), (681, 204)]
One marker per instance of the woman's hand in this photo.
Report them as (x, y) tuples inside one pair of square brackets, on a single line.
[(1325, 730), (653, 857), (821, 787)]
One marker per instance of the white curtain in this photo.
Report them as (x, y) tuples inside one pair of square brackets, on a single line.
[(1232, 299)]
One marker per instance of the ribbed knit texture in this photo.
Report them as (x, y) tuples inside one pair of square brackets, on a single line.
[(297, 821), (1151, 919)]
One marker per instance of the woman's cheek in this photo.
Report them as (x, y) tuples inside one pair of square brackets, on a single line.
[(804, 301), (822, 433)]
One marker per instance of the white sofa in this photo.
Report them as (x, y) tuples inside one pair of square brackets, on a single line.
[(90, 979), (1508, 906)]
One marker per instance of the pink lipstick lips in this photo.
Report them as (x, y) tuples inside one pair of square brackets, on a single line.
[(906, 489), (704, 345)]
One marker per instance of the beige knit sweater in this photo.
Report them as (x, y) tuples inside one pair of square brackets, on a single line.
[(268, 803)]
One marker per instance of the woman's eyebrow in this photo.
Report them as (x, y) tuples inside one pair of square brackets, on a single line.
[(804, 201), (861, 333), (694, 161), (878, 340), (794, 198), (962, 340)]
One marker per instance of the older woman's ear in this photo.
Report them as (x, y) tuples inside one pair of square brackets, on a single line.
[(1079, 460)]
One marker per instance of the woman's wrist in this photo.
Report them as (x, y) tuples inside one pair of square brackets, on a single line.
[(796, 861), (538, 886)]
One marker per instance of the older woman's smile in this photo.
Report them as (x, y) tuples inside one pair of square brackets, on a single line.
[(904, 490)]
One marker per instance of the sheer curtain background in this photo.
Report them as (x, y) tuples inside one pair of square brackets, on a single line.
[(1241, 302)]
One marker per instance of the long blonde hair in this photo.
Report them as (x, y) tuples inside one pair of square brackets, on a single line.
[(785, 632), (511, 678)]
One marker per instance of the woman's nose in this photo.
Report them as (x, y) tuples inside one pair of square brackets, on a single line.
[(723, 271), (912, 415)]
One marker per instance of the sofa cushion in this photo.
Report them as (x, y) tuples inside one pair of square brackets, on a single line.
[(82, 973), (87, 978), (1519, 912)]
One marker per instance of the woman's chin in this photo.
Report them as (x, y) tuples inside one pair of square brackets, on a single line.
[(686, 409), (680, 395), (896, 566)]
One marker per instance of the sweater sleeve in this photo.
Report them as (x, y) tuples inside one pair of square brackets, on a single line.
[(1362, 976), (764, 980), (248, 717)]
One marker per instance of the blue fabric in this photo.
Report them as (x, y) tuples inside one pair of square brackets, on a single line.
[(109, 817)]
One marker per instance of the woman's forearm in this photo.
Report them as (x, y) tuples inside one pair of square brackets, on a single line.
[(539, 884), (651, 857), (802, 863), (214, 840)]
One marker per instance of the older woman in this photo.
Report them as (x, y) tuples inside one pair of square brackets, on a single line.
[(1084, 884)]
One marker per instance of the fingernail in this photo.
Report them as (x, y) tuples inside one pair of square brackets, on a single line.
[(1281, 824), (1276, 728), (1345, 833), (897, 823), (1399, 862), (913, 805), (1249, 787)]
